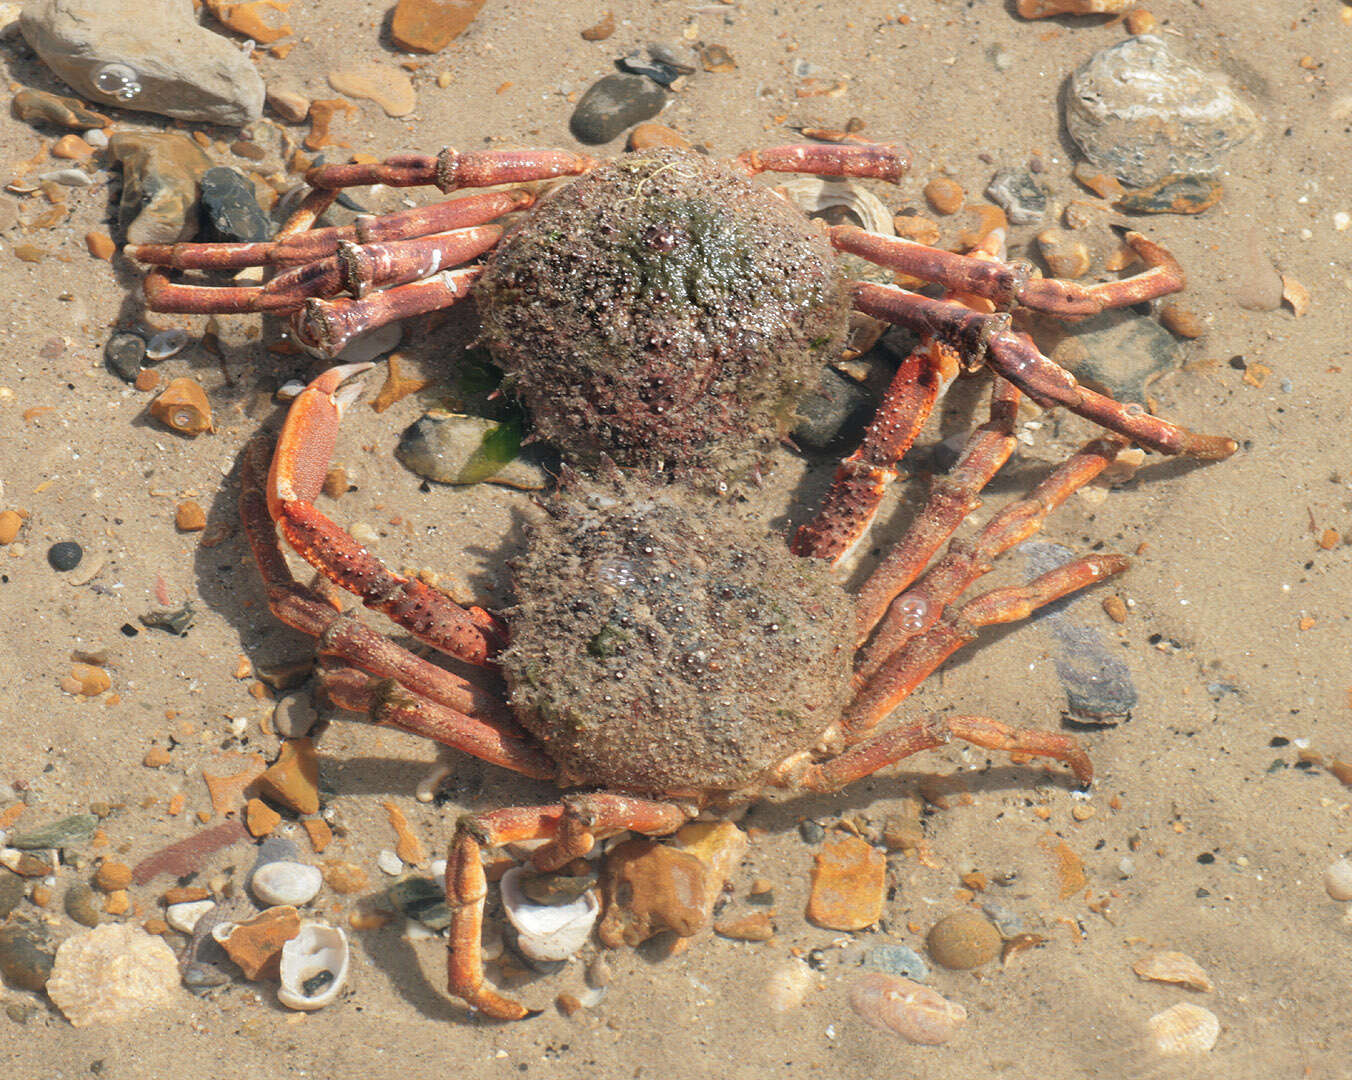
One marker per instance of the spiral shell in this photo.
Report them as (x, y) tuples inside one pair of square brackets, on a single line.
[(183, 406)]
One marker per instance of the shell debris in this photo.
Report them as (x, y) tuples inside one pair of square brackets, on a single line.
[(314, 967), (1173, 967), (112, 974)]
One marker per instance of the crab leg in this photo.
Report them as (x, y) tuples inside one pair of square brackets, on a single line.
[(467, 886), (874, 161), (1008, 284), (920, 656), (326, 326), (289, 249), (498, 742), (451, 169), (1015, 357), (295, 479), (357, 269)]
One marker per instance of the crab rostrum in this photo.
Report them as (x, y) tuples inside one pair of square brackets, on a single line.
[(661, 316)]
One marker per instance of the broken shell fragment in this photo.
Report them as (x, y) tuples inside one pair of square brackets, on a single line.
[(1184, 1029), (548, 931), (906, 1008), (314, 967), (183, 406), (111, 974), (815, 196), (1172, 967)]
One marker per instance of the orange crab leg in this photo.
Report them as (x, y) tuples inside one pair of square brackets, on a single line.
[(1007, 284), (451, 169), (874, 161), (292, 249), (1014, 356), (296, 478)]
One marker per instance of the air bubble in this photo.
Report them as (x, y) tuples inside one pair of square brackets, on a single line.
[(914, 610), (117, 80)]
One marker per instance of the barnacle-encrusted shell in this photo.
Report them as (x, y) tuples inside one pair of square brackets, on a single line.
[(1184, 1029), (111, 974), (314, 967)]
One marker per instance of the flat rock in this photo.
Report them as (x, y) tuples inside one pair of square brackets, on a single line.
[(430, 25), (1140, 112), (613, 104), (650, 887), (847, 884), (256, 944), (388, 87), (230, 210), (160, 176), (1118, 352), (156, 59)]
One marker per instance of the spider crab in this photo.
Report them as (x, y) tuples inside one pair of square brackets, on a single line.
[(665, 656)]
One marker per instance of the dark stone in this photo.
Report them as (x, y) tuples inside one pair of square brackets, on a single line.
[(123, 354), (638, 64), (1022, 198), (1118, 352), (1177, 193), (12, 890), (679, 57), (811, 832), (422, 899), (65, 556), (175, 621), (75, 829), (613, 104), (826, 413), (26, 955), (230, 210)]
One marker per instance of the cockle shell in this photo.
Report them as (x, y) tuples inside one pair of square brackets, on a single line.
[(1184, 1029), (112, 974), (314, 967), (184, 407), (906, 1008), (548, 931)]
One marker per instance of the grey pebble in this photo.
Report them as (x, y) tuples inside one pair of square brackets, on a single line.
[(82, 905), (636, 63), (614, 104), (897, 960), (679, 57), (1009, 923), (285, 881), (1022, 198), (825, 414), (1119, 352), (1140, 112), (230, 210), (421, 899), (811, 832), (294, 714), (75, 829), (454, 449), (12, 889), (27, 954), (123, 354)]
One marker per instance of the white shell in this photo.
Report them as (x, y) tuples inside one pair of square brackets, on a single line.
[(544, 931), (113, 973), (906, 1008), (787, 986), (1184, 1029), (318, 948), (184, 916), (1338, 880), (812, 194), (285, 882)]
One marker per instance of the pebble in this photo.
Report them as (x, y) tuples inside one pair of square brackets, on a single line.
[(1177, 193), (255, 945), (716, 58), (291, 105), (906, 1008), (1064, 253), (189, 517), (75, 829), (72, 148), (161, 61), (638, 63), (112, 974), (650, 887), (26, 954), (1119, 352), (1184, 1029), (388, 87), (294, 714), (753, 926), (183, 917), (12, 889), (1022, 198), (613, 104), (945, 196), (1259, 285), (160, 175), (1181, 320), (123, 353), (11, 521), (1173, 967), (811, 832), (24, 863), (683, 59), (67, 112), (601, 30), (100, 245), (963, 940), (82, 904), (1045, 9), (230, 210), (1338, 879), (293, 779), (1098, 684), (848, 884), (313, 967), (835, 408), (344, 877), (65, 555), (1140, 112), (112, 876), (423, 899), (389, 862), (285, 882), (897, 960), (451, 448), (430, 25)]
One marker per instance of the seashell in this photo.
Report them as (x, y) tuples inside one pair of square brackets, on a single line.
[(183, 917), (1184, 1029), (548, 931), (166, 343), (314, 967), (285, 882), (906, 1008), (814, 195), (787, 986), (1172, 967), (1338, 880), (111, 974), (183, 406)]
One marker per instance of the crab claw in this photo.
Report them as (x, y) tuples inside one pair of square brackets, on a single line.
[(308, 436)]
